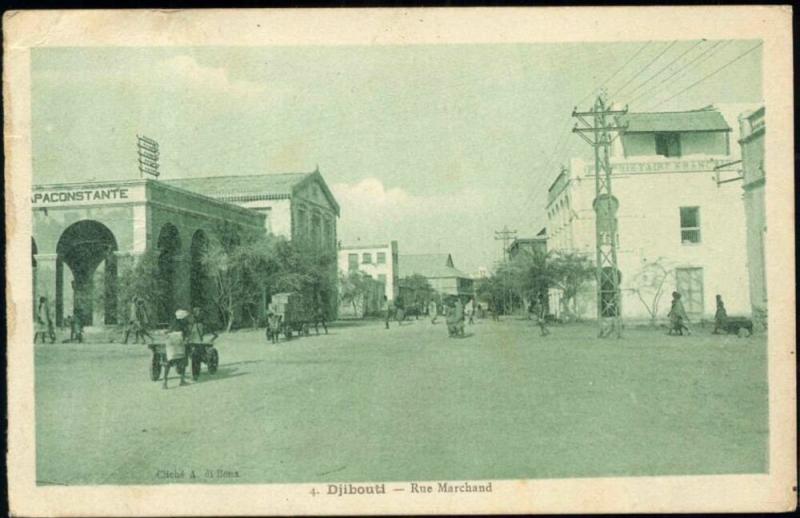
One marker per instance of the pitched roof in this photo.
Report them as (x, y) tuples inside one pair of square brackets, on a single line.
[(251, 186), (428, 265), (706, 119)]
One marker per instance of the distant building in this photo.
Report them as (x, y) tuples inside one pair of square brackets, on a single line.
[(379, 261), (534, 245), (440, 271), (753, 127), (297, 206), (481, 273), (672, 215)]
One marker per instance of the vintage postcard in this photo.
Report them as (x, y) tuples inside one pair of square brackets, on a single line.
[(400, 261)]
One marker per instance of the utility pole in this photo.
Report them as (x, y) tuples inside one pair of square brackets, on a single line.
[(505, 235), (598, 133)]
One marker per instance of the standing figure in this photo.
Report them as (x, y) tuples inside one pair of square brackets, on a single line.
[(142, 320), (433, 311), (455, 319), (470, 310), (175, 349), (43, 324), (199, 326), (677, 316), (319, 319), (273, 327), (399, 310), (720, 317), (540, 317), (75, 328), (387, 307), (132, 325)]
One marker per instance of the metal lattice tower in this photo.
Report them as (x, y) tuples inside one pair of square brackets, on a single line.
[(598, 133)]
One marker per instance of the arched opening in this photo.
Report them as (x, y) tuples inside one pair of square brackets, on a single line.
[(90, 291), (169, 246), (199, 281)]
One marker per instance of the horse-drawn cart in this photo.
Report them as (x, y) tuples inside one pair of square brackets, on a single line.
[(296, 314)]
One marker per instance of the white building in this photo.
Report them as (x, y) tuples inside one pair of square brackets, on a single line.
[(754, 176), (378, 261), (675, 222)]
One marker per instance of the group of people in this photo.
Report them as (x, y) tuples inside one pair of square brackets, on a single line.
[(44, 326), (679, 320)]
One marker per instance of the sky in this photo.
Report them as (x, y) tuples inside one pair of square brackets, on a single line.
[(435, 146)]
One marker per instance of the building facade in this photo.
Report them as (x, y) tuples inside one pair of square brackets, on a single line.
[(678, 229), (440, 272), (297, 206), (84, 234), (534, 245), (753, 127), (381, 262)]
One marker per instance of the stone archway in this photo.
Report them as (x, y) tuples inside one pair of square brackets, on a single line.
[(169, 247), (87, 249)]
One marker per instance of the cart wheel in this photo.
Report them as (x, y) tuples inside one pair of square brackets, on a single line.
[(195, 367), (155, 368), (213, 360)]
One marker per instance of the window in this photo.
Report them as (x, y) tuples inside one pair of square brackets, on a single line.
[(381, 257), (366, 258), (668, 144), (690, 225), (352, 262), (689, 283)]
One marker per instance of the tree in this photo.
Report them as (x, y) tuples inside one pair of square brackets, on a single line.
[(355, 287), (240, 263), (649, 283), (140, 277), (569, 272), (419, 289)]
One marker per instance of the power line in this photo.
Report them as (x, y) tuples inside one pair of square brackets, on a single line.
[(637, 74), (726, 65), (707, 52), (609, 78), (505, 235), (665, 67)]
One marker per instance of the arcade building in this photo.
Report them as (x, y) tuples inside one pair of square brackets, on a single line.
[(84, 234)]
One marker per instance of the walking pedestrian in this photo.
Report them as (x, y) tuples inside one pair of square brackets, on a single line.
[(175, 350), (43, 324), (720, 317), (541, 317), (677, 316)]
